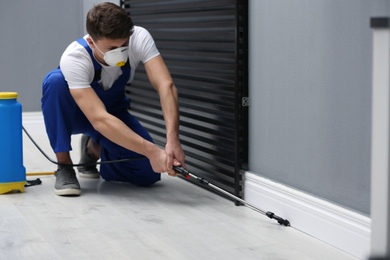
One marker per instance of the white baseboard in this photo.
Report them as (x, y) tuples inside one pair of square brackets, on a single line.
[(335, 225)]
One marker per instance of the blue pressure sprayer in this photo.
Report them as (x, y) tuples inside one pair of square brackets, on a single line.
[(12, 171)]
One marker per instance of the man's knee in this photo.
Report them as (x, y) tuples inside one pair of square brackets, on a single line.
[(149, 180), (139, 174)]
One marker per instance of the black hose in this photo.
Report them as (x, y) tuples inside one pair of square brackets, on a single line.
[(79, 164)]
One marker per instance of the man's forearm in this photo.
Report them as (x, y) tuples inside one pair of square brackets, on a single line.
[(170, 108)]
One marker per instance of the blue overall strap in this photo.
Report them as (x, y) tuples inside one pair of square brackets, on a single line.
[(84, 43)]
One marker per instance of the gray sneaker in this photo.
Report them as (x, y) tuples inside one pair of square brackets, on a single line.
[(87, 171), (66, 182)]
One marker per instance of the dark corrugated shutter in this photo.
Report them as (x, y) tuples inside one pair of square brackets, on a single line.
[(204, 45)]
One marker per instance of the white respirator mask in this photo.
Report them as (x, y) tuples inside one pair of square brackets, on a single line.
[(116, 57)]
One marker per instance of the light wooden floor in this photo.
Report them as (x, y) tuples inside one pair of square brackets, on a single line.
[(172, 220)]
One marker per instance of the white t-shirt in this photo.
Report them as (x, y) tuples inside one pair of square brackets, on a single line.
[(77, 67)]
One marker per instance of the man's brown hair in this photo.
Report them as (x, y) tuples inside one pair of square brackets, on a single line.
[(107, 20)]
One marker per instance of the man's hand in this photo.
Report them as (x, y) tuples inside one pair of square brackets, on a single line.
[(175, 155), (158, 160)]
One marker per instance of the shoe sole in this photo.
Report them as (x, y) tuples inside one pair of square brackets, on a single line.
[(68, 192)]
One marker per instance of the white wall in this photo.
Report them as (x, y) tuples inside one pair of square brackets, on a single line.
[(34, 34), (310, 88)]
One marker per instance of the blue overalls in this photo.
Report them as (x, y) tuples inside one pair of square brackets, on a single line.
[(63, 118)]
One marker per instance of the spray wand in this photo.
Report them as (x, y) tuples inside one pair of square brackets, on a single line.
[(203, 181)]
